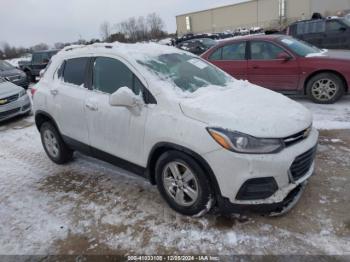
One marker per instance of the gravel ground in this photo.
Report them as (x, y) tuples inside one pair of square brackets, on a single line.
[(90, 207)]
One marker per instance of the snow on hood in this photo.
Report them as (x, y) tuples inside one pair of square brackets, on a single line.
[(7, 89), (332, 54), (248, 109)]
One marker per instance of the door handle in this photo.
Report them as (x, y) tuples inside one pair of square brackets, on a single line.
[(54, 92), (91, 106), (256, 67)]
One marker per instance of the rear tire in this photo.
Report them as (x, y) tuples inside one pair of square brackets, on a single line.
[(183, 184), (54, 145), (325, 88)]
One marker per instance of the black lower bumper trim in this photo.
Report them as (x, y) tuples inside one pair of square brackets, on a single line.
[(227, 207)]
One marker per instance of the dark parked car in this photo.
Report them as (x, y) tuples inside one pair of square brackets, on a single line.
[(331, 33), (13, 74), (197, 46), (285, 64), (39, 62)]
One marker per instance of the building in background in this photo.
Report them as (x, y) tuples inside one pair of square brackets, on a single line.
[(256, 13)]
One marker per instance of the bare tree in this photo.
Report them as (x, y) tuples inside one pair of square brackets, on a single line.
[(156, 25), (40, 47), (105, 30), (59, 45)]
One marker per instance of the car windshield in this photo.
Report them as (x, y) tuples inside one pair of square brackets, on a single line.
[(346, 20), (299, 47), (5, 66), (207, 42), (187, 72)]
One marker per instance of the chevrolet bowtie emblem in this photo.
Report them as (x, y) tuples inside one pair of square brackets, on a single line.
[(3, 101)]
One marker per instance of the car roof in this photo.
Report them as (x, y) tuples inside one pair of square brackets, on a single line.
[(129, 52), (46, 51), (252, 37), (321, 19)]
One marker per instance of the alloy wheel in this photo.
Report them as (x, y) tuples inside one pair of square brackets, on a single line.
[(324, 89), (51, 143), (180, 183)]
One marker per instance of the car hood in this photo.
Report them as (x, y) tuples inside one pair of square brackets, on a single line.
[(331, 54), (248, 109), (8, 89), (10, 72)]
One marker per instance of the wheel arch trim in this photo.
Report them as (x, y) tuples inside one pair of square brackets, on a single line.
[(161, 147), (44, 115), (322, 71)]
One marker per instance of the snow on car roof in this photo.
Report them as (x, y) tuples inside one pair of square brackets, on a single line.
[(135, 51)]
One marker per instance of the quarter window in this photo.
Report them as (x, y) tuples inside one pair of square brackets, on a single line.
[(74, 71), (265, 51), (216, 55)]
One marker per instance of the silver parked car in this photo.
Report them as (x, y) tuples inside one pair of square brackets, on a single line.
[(13, 74), (13, 100)]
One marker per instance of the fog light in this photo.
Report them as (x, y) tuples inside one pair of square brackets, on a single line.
[(257, 189)]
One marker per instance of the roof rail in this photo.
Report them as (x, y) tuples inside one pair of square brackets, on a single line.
[(72, 47)]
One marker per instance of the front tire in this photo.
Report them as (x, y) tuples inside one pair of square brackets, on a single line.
[(183, 184), (325, 88), (53, 144)]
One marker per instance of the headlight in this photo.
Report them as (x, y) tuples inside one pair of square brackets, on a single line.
[(22, 93), (245, 144)]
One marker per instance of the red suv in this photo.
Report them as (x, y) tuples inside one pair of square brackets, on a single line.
[(284, 64)]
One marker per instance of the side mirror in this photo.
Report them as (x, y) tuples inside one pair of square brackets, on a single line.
[(124, 97), (284, 56), (342, 29)]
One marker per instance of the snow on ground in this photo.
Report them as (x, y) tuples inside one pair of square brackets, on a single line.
[(92, 207), (335, 116)]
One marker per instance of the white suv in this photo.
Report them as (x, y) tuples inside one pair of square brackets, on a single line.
[(204, 138)]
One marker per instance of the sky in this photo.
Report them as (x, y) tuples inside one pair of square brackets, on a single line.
[(28, 22)]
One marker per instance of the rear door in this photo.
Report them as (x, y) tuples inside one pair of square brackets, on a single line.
[(232, 58), (266, 69), (68, 98)]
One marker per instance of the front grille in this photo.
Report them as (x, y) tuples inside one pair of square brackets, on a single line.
[(8, 100), (302, 164), (291, 140), (10, 112)]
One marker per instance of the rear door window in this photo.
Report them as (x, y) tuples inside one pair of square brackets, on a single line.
[(75, 71), (234, 51), (261, 50)]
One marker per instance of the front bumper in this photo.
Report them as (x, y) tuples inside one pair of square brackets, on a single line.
[(274, 209), (21, 106), (232, 170)]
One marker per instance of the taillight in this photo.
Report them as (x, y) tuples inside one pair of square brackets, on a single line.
[(32, 91)]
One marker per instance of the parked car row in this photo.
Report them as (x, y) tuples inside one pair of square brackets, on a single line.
[(197, 46), (282, 63), (38, 62)]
